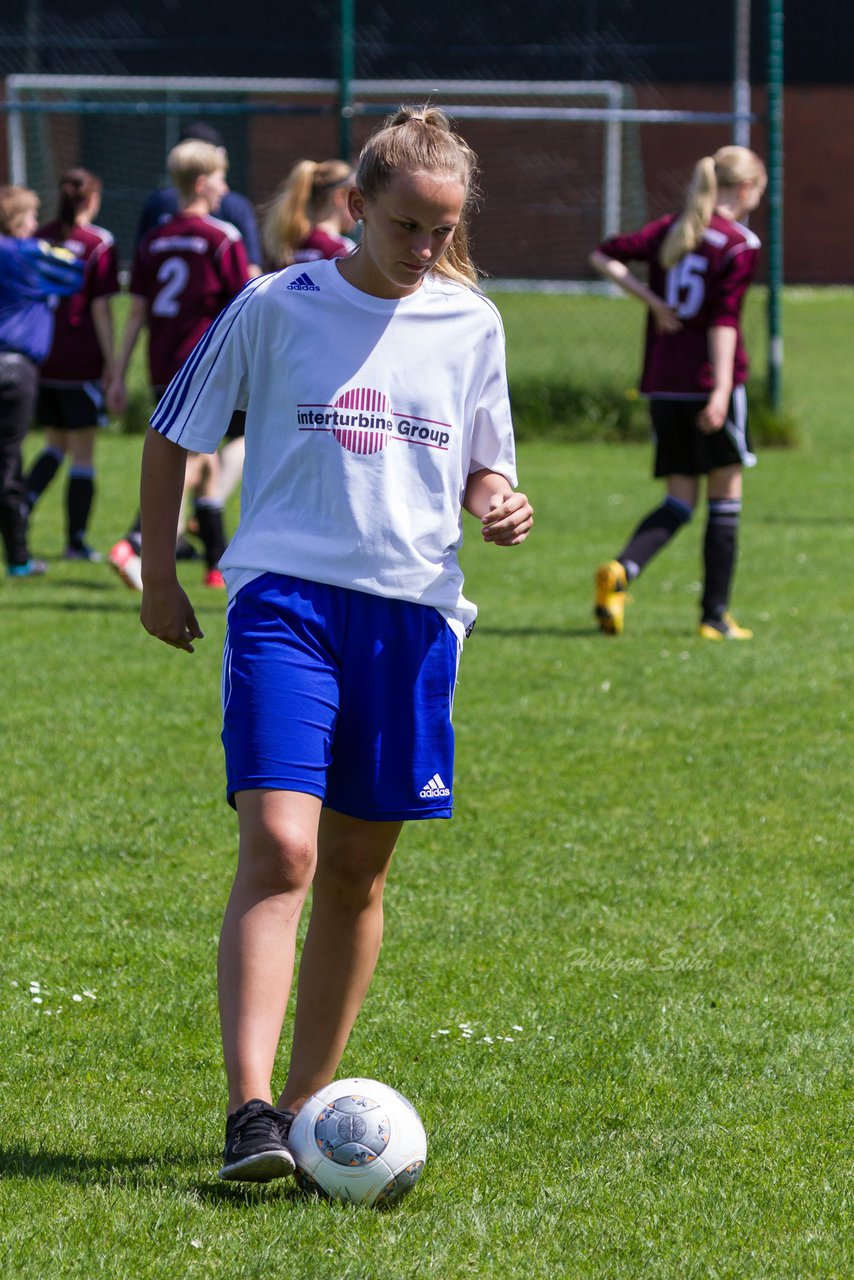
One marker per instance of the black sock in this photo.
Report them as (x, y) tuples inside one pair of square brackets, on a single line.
[(13, 530), (78, 503), (211, 529), (653, 533), (134, 534), (42, 472), (719, 555)]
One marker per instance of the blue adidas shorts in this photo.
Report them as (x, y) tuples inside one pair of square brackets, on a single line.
[(341, 694)]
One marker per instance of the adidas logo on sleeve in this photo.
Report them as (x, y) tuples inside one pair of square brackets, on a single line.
[(434, 788), (304, 284)]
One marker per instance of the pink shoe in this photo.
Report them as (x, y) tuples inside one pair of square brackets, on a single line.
[(213, 578), (127, 564)]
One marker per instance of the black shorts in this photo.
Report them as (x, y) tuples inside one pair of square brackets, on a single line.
[(19, 378), (682, 449), (237, 426), (71, 407)]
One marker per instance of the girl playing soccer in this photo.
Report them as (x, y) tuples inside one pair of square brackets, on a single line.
[(376, 410), (33, 275), (700, 265), (71, 398)]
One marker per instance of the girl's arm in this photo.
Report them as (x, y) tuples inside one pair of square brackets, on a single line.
[(166, 612), (722, 343), (666, 320), (506, 517), (102, 319), (137, 315)]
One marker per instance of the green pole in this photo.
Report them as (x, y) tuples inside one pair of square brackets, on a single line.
[(775, 202), (345, 77)]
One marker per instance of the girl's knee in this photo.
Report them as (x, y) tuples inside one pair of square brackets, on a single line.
[(282, 856), (350, 876)]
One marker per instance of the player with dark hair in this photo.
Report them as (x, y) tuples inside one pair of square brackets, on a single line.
[(185, 272), (700, 263), (234, 207), (71, 398), (377, 410), (32, 275)]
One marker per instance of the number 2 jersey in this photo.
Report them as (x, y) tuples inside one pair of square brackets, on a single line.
[(188, 269), (365, 417), (706, 288)]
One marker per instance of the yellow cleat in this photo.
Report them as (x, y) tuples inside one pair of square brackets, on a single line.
[(611, 597), (725, 629)]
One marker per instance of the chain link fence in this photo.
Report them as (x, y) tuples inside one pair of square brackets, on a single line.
[(587, 117)]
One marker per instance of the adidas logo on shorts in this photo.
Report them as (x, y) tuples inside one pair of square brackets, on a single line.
[(433, 789), (304, 284)]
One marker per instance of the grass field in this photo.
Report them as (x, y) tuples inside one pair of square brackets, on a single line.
[(616, 985)]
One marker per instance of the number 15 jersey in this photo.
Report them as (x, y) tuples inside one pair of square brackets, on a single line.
[(188, 269), (706, 289)]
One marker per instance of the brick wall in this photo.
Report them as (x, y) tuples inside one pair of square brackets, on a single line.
[(542, 207)]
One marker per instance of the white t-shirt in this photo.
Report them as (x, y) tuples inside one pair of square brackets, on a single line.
[(364, 418)]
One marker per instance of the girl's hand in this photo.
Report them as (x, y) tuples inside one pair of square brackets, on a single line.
[(166, 614), (116, 396), (664, 318), (713, 415), (509, 519)]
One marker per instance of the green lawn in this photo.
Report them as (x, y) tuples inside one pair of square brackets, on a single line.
[(616, 985)]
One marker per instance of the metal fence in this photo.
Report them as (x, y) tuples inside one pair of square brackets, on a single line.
[(564, 160)]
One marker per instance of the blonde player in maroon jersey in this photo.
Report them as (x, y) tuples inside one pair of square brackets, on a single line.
[(71, 399), (309, 217), (700, 264), (185, 272)]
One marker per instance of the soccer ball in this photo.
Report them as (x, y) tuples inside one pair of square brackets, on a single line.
[(358, 1141)]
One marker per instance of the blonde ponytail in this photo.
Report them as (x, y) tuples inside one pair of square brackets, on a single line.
[(687, 231), (300, 203)]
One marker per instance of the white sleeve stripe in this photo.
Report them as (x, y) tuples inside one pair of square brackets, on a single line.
[(172, 403)]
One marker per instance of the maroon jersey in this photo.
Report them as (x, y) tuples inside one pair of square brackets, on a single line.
[(320, 244), (188, 269), (76, 354), (706, 289)]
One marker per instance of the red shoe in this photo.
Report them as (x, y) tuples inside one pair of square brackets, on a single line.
[(213, 578), (127, 564)]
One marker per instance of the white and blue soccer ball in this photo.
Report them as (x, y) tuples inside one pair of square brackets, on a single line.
[(358, 1141)]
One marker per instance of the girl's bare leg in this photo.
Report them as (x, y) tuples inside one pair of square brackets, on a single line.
[(80, 446), (725, 482), (341, 947), (231, 458), (276, 862)]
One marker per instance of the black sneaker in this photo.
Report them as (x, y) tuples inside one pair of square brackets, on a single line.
[(255, 1143), (81, 550)]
